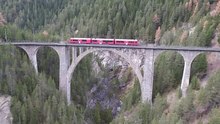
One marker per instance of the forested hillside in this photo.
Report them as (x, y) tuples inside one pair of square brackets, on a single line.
[(138, 19), (36, 99)]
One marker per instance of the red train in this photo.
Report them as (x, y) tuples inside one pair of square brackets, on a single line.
[(129, 42)]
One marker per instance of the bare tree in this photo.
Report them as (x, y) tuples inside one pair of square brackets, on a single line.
[(2, 20)]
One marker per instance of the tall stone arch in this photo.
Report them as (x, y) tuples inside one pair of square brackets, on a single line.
[(188, 56), (62, 52), (117, 52), (77, 59), (160, 52), (32, 54)]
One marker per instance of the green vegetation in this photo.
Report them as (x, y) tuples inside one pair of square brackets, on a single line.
[(132, 98), (144, 113), (48, 63), (215, 116), (82, 81), (97, 18), (168, 72), (11, 33), (210, 94), (186, 109), (35, 99)]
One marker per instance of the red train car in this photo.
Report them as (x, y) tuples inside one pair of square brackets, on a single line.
[(80, 40), (129, 42)]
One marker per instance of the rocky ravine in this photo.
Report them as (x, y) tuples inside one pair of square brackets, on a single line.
[(106, 93)]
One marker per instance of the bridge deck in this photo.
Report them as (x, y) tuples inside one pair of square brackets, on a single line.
[(150, 47)]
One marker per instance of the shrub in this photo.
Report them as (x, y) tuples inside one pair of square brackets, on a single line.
[(159, 105), (194, 83), (215, 116), (186, 108), (132, 98), (210, 94), (199, 65), (179, 92)]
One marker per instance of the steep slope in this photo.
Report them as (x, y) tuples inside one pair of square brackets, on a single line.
[(213, 60)]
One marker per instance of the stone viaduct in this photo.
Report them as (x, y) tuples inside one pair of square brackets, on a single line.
[(134, 55)]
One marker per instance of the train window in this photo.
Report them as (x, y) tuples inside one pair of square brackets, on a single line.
[(83, 40), (107, 41), (120, 41)]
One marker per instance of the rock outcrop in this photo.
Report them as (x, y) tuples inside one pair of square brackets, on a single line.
[(5, 114)]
